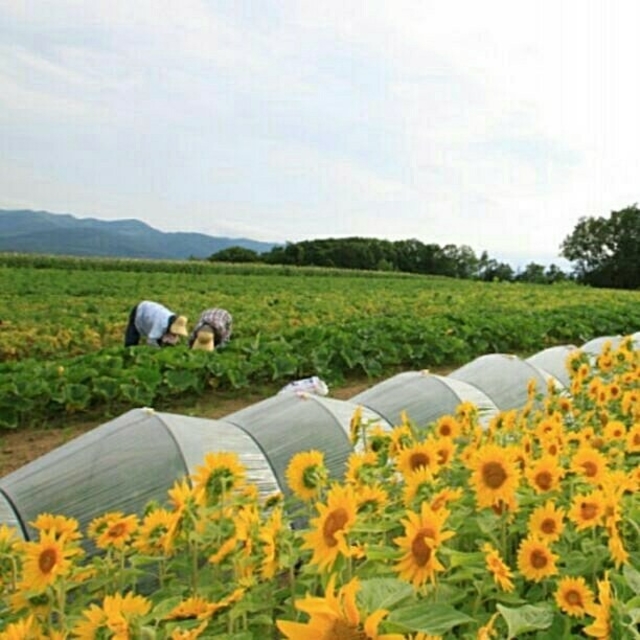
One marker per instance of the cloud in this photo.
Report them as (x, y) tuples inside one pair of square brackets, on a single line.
[(494, 124)]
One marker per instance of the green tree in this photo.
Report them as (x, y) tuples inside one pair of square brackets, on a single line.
[(533, 273), (234, 254), (606, 251), (489, 269)]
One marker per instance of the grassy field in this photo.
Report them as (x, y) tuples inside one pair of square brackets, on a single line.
[(63, 322)]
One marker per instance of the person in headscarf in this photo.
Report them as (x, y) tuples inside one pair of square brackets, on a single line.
[(216, 320)]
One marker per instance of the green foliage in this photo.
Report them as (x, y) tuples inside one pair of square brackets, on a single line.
[(607, 250), (64, 319)]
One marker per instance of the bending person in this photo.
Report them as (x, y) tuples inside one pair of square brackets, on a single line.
[(217, 320), (159, 326)]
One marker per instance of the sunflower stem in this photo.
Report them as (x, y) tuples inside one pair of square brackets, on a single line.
[(194, 567)]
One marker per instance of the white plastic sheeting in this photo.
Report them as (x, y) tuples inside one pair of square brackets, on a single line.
[(118, 466), (594, 347), (424, 396), (504, 378), (554, 361), (124, 464)]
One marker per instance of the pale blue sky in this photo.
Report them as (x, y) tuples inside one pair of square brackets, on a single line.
[(493, 124)]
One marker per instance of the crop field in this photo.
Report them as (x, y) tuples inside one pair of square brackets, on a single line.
[(63, 321), (526, 528)]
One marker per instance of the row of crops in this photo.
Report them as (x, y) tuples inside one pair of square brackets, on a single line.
[(62, 325)]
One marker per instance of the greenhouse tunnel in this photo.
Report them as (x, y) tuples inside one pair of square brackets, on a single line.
[(553, 360), (424, 396), (136, 458), (504, 378)]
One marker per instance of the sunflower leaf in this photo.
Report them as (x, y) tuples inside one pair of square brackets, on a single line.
[(632, 576), (436, 619), (383, 593), (526, 618)]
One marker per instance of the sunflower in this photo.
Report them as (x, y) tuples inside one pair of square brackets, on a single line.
[(117, 617), (536, 560), (499, 570), (420, 454), (601, 626), (270, 535), (614, 485), (60, 526), (183, 497), (467, 415), (605, 361), (565, 405), (418, 485), (614, 391), (573, 361), (371, 498), (224, 549), (618, 553), (193, 608), (590, 464), (46, 560), (553, 447), (328, 537), (336, 616), (614, 430), (544, 474), (361, 467), (549, 427), (546, 522), (588, 510), (22, 629), (630, 402), (221, 473), (423, 535), (573, 596), (189, 634), (584, 436), (378, 441), (113, 530), (495, 476), (8, 539), (633, 439), (401, 437), (488, 631), (306, 474), (441, 499), (445, 450), (153, 536), (448, 427), (355, 425)]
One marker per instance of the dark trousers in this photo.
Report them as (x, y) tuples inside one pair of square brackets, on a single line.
[(131, 334)]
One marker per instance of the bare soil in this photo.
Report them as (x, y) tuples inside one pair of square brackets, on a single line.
[(19, 447)]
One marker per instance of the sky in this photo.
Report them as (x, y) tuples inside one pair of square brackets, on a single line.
[(495, 125)]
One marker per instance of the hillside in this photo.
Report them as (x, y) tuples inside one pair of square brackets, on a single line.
[(27, 231)]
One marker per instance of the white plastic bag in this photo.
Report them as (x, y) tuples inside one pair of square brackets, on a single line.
[(307, 385)]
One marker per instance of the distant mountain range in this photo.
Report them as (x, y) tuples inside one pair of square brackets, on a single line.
[(26, 231)]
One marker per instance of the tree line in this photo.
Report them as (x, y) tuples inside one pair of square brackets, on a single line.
[(604, 252)]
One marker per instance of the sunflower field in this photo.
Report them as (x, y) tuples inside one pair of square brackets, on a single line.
[(528, 528)]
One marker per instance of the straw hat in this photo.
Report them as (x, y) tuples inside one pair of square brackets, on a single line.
[(204, 339), (179, 327)]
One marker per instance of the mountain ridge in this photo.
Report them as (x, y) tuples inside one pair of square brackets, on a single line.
[(30, 231)]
